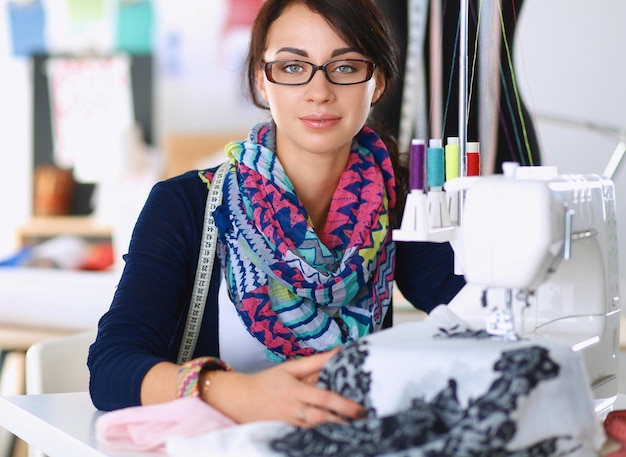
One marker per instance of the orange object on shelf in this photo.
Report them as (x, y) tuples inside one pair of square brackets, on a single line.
[(53, 191)]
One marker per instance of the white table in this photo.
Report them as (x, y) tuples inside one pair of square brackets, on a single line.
[(60, 425)]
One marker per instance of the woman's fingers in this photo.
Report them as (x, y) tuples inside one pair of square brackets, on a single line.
[(329, 405), (285, 392), (311, 416), (320, 405)]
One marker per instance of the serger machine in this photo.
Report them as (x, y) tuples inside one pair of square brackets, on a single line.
[(539, 253)]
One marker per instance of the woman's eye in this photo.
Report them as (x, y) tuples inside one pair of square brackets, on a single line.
[(292, 68), (345, 68)]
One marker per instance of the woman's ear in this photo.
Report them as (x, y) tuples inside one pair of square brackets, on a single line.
[(381, 83), (260, 84)]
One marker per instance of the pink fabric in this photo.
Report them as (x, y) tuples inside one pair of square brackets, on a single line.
[(146, 428)]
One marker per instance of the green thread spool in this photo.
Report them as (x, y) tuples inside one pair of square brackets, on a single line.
[(435, 171), (452, 153)]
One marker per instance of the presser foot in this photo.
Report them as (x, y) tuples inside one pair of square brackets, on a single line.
[(501, 323)]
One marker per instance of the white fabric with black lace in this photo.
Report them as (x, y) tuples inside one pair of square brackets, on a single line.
[(436, 388)]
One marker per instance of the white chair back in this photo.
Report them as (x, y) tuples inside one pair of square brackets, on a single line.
[(59, 365)]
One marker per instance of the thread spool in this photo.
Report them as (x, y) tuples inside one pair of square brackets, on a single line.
[(453, 170), (435, 172), (452, 152), (417, 159), (473, 159)]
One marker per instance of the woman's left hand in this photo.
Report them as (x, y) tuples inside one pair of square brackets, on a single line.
[(286, 392)]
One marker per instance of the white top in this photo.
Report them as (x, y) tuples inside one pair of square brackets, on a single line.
[(237, 346)]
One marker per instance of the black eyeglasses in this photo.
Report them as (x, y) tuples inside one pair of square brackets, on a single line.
[(299, 72)]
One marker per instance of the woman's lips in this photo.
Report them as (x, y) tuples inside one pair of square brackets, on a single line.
[(319, 122)]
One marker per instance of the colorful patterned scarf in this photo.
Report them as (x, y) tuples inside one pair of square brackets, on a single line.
[(296, 294)]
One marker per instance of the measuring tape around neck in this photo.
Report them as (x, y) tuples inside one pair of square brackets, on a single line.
[(204, 270)]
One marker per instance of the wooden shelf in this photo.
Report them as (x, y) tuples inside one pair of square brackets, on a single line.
[(40, 228)]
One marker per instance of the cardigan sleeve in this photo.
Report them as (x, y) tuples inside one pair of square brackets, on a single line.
[(140, 328), (424, 274)]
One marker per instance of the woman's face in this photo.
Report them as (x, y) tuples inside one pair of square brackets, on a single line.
[(318, 117)]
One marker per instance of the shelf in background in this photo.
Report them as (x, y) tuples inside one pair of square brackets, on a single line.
[(40, 228)]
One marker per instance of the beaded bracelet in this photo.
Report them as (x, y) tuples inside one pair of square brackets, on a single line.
[(189, 373)]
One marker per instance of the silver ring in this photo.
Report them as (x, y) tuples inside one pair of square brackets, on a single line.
[(301, 414)]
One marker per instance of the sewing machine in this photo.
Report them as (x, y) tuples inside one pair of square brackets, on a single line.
[(539, 253)]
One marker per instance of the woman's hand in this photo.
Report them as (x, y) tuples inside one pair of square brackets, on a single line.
[(286, 392)]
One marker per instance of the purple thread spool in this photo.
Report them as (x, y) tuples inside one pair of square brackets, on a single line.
[(417, 161)]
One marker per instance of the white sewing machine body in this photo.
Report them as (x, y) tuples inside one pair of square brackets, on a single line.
[(539, 253)]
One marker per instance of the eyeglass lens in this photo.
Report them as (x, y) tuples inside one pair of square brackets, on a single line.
[(297, 72)]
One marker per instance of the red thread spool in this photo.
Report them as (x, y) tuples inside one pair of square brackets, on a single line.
[(473, 159)]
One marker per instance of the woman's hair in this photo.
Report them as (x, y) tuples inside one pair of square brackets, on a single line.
[(360, 24)]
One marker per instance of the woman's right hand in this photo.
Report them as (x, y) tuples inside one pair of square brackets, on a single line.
[(286, 393)]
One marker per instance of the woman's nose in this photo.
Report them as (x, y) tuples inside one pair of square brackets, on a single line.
[(319, 87)]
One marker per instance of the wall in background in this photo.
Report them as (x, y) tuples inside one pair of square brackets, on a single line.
[(15, 140), (199, 48)]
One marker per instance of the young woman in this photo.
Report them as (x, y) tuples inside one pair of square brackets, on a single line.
[(305, 250)]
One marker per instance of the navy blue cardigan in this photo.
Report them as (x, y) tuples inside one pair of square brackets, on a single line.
[(145, 322)]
